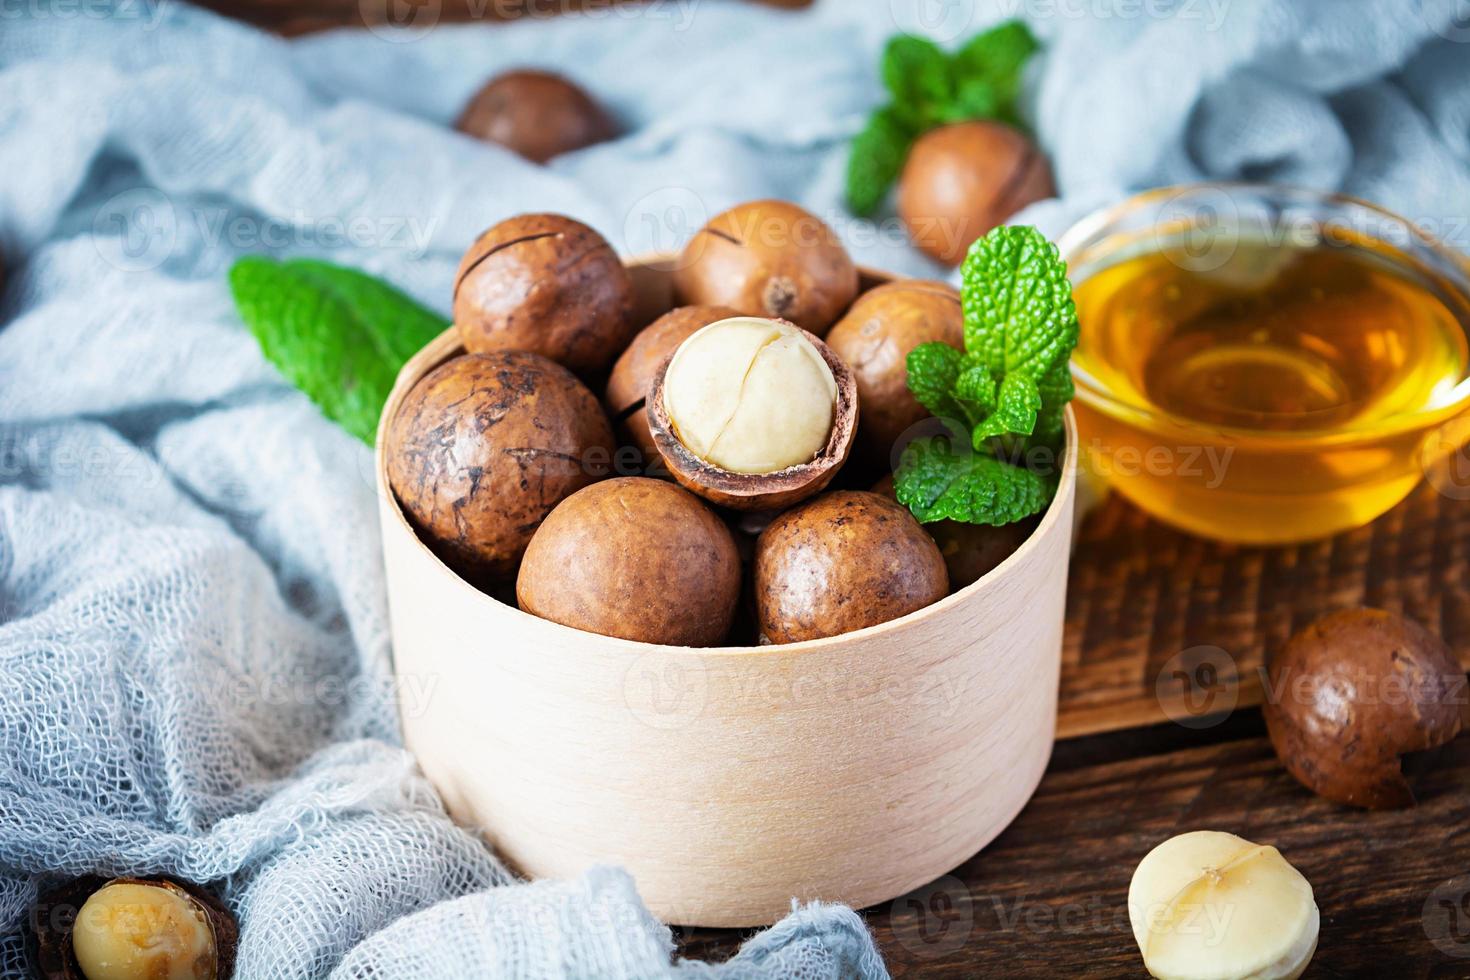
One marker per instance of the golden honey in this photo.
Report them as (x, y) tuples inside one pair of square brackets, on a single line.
[(1274, 387)]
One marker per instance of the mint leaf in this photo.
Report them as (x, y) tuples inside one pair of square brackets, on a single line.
[(1056, 391), (1016, 405), (337, 334), (1019, 314), (996, 59), (875, 161), (917, 72), (933, 370), (974, 389), (975, 98), (936, 482)]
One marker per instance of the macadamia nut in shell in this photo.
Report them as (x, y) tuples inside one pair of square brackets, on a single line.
[(875, 338), (635, 558), (841, 562), (536, 114), (547, 284), (484, 446), (771, 259), (750, 395)]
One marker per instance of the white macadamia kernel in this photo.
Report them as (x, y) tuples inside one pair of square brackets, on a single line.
[(1212, 906), (132, 931), (750, 395)]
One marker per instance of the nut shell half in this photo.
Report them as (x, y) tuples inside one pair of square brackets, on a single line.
[(875, 338), (1352, 693), (635, 558), (759, 491), (844, 561), (49, 938), (546, 284), (627, 386), (484, 446), (537, 114), (770, 259)]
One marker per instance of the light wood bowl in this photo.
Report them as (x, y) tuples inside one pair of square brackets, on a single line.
[(729, 781)]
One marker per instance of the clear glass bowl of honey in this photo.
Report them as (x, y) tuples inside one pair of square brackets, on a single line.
[(1263, 364)]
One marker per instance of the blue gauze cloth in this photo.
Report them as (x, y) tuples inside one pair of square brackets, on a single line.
[(196, 668)]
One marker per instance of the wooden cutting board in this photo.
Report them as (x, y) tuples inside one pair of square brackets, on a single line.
[(1162, 626)]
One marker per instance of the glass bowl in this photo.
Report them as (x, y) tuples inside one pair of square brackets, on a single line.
[(1264, 364)]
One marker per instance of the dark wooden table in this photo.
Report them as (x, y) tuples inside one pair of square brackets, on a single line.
[(1048, 898)]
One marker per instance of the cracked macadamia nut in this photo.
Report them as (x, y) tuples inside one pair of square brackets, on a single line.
[(962, 180), (627, 386), (635, 558), (144, 931), (546, 284), (841, 562), (770, 259), (875, 338), (1353, 693), (536, 114), (484, 446), (750, 395)]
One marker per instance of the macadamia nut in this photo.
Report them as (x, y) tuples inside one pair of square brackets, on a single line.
[(137, 931), (750, 395)]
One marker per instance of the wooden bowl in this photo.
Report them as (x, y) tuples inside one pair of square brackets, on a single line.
[(731, 780)]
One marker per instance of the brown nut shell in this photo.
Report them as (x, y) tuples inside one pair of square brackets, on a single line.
[(771, 259), (962, 180), (627, 386), (875, 338), (844, 561), (537, 114), (547, 284), (1353, 692), (759, 491), (49, 936), (971, 551), (484, 446), (635, 558)]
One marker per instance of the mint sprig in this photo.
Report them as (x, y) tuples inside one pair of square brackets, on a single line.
[(1007, 390), (339, 335), (929, 88)]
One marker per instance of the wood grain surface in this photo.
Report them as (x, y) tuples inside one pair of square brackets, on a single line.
[(1048, 898), (1162, 625)]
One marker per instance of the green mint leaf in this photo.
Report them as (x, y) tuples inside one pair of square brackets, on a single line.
[(1056, 391), (1019, 314), (1017, 402), (935, 481), (876, 158), (933, 370), (337, 334), (975, 98), (975, 390), (917, 72), (997, 59)]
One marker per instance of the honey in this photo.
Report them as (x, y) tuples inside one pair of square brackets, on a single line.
[(1283, 391)]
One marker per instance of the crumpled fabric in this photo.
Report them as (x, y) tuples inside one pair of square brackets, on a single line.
[(192, 621)]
